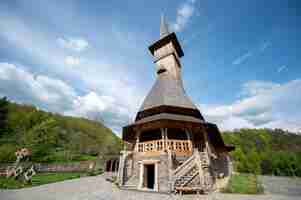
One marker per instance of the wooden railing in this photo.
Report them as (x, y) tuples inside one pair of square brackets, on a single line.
[(199, 145), (181, 146), (186, 164)]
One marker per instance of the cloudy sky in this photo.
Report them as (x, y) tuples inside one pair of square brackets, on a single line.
[(241, 66)]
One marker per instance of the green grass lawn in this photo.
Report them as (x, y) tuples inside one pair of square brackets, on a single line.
[(39, 179), (10, 183), (44, 178), (244, 184)]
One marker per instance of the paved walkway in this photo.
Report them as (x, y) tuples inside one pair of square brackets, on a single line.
[(281, 185), (96, 188)]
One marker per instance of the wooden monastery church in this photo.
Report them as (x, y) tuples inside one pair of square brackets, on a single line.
[(171, 147)]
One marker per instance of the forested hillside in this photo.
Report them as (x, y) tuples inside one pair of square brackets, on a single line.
[(265, 151), (52, 137)]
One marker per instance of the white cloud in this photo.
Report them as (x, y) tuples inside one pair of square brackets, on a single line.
[(96, 72), (91, 102), (30, 40), (71, 60), (184, 14), (100, 107), (265, 104), (264, 46), (252, 88), (242, 58), (21, 85), (55, 95), (282, 68), (75, 44)]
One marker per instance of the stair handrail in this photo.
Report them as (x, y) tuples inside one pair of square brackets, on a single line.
[(186, 182), (184, 164)]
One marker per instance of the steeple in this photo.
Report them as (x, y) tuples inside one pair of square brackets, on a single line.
[(168, 91), (165, 38), (163, 27)]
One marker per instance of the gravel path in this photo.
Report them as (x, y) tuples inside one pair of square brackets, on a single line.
[(96, 188)]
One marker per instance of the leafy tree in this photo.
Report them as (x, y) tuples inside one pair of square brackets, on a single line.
[(7, 153), (3, 115), (266, 151), (240, 160), (254, 162), (53, 137), (41, 138)]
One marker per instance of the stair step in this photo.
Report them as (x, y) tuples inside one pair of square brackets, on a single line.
[(129, 187)]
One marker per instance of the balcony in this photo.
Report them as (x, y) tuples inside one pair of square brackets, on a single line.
[(182, 147)]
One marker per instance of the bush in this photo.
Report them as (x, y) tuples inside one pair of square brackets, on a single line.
[(265, 151), (244, 184), (10, 183), (7, 153)]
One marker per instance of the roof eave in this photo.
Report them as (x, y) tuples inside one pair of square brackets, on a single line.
[(163, 41)]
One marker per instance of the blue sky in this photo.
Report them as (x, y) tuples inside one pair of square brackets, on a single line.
[(90, 58)]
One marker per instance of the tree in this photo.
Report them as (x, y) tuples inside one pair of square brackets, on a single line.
[(52, 137), (41, 138), (3, 115), (240, 160), (254, 162)]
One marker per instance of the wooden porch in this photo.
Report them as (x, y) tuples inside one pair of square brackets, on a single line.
[(180, 147)]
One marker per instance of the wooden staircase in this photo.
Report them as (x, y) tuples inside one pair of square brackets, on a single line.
[(131, 183), (194, 174), (185, 179)]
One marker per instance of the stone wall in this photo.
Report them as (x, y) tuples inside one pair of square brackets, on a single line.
[(57, 167), (221, 165), (66, 167), (164, 179), (222, 169), (133, 170)]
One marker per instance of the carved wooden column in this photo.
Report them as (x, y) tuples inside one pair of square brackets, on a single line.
[(166, 138), (141, 173), (163, 138), (156, 184), (138, 132), (188, 134), (111, 165)]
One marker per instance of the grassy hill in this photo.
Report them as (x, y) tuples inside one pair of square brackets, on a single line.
[(266, 151), (52, 137)]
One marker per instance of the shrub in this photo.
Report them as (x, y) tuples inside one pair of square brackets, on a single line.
[(7, 153), (244, 184)]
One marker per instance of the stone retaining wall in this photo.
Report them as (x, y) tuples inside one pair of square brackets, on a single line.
[(56, 167), (65, 167)]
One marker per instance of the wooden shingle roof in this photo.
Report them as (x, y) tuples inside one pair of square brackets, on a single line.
[(167, 91)]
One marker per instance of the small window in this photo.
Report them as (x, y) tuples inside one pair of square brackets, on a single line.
[(160, 71)]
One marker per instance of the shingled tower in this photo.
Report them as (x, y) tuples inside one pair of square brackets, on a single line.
[(170, 145)]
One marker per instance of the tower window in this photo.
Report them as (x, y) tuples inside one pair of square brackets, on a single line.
[(160, 71)]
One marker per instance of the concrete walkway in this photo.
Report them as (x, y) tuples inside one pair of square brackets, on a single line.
[(96, 188), (281, 185)]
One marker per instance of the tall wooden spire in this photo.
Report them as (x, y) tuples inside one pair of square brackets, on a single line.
[(164, 31), (168, 92)]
